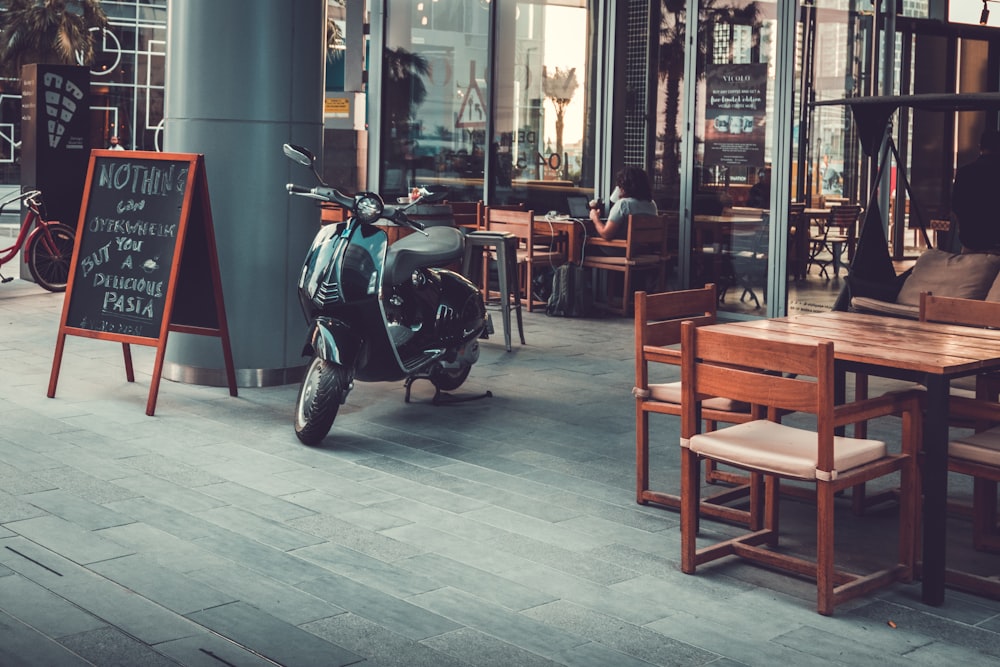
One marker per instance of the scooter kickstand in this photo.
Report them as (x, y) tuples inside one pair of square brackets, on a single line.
[(440, 397)]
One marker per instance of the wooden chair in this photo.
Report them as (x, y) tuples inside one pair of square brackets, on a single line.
[(977, 455), (835, 235), (644, 249), (534, 251), (468, 214), (657, 334), (789, 376)]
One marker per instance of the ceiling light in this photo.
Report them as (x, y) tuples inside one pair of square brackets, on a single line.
[(985, 16)]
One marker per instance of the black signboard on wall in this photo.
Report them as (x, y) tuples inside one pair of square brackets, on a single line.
[(145, 260)]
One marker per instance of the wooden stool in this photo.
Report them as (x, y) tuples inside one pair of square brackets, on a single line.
[(504, 244)]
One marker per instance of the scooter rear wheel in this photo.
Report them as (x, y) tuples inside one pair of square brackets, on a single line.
[(450, 379), (319, 399)]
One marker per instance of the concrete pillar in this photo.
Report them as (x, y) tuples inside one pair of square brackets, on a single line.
[(242, 78)]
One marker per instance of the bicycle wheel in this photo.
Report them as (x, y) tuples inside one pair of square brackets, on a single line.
[(49, 261)]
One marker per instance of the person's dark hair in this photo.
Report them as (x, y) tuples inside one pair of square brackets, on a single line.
[(635, 183), (990, 140)]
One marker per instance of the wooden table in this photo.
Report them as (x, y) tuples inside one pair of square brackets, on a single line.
[(574, 230), (930, 353)]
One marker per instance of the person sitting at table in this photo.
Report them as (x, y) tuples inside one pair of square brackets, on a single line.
[(973, 200), (633, 195)]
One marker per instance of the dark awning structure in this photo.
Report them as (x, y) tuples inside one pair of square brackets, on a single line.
[(872, 263), (871, 114)]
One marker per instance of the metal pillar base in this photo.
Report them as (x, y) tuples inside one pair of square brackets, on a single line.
[(245, 377)]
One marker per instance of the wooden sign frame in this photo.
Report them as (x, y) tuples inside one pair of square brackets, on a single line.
[(187, 306)]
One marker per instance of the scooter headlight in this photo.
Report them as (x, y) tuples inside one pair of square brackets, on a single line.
[(368, 207)]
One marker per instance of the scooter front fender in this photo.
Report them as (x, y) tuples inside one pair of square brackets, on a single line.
[(333, 341)]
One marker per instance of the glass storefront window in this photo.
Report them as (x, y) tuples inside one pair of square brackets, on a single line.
[(434, 97), (542, 148), (437, 96)]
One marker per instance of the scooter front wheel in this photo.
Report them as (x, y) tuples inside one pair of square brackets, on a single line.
[(319, 399)]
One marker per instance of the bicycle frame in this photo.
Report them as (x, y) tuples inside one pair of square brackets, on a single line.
[(31, 225)]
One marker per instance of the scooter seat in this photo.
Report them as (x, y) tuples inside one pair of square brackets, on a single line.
[(441, 246)]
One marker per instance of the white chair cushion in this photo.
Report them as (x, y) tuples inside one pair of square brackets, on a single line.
[(784, 450), (671, 393), (980, 447)]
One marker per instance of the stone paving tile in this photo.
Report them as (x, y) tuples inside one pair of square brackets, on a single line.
[(208, 649), (577, 563), (633, 640), (388, 578), (499, 622), (22, 645), (404, 617), (383, 647), (76, 510), (493, 588), (376, 545), (63, 537), (607, 600), (271, 596), (428, 539), (272, 638), (43, 610), (170, 551), (266, 531), (484, 650), (164, 586), (261, 504)]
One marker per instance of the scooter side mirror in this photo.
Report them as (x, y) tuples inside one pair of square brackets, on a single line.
[(299, 154)]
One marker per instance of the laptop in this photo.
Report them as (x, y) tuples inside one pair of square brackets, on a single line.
[(579, 206)]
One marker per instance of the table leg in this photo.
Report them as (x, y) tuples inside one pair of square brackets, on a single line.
[(934, 475)]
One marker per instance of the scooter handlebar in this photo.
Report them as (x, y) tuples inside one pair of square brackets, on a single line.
[(326, 194), (398, 215)]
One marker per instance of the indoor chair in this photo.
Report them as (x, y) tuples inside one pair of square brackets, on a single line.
[(657, 336), (795, 377), (834, 235)]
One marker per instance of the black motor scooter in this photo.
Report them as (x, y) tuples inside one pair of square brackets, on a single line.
[(380, 312)]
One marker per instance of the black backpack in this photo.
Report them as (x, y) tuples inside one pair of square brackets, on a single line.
[(571, 293)]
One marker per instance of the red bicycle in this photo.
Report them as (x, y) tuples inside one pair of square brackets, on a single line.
[(47, 245)]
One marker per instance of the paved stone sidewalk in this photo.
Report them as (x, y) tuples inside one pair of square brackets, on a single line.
[(495, 532)]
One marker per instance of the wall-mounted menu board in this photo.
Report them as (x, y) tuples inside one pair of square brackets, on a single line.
[(145, 260)]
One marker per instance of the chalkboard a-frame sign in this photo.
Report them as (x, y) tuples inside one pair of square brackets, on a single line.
[(145, 260)]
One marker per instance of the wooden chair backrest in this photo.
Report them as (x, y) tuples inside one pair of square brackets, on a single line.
[(468, 214), (647, 235), (783, 376), (520, 223), (658, 320), (953, 310)]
